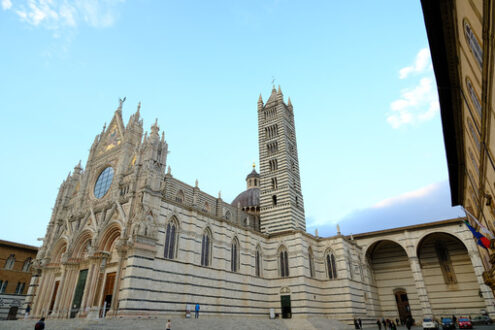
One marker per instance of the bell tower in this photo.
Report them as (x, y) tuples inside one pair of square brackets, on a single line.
[(281, 200)]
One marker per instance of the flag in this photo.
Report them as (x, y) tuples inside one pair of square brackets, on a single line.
[(483, 228), (480, 239)]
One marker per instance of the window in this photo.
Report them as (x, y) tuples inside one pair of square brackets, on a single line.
[(473, 43), (206, 248), (3, 286), (311, 263), (272, 148), (474, 97), (103, 182), (171, 239), (234, 255), (283, 262), (473, 160), (26, 267), (274, 183), (331, 266), (274, 200), (445, 263), (257, 266), (9, 264), (228, 215), (474, 134), (179, 198), (273, 165), (19, 288)]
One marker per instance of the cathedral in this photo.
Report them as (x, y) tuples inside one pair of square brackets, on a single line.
[(128, 239)]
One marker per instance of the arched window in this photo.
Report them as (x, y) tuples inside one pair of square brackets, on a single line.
[(274, 183), (311, 260), (26, 267), (206, 248), (331, 266), (234, 255), (274, 200), (179, 198), (171, 239), (228, 215), (206, 207), (257, 261), (474, 98), (473, 43), (9, 264), (3, 286), (283, 262)]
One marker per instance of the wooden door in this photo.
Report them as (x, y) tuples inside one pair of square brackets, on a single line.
[(108, 291), (402, 304)]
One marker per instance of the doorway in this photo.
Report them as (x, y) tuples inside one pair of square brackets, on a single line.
[(286, 310), (12, 313), (402, 304), (78, 295), (107, 293), (54, 296)]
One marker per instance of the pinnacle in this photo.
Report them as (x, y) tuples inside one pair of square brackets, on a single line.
[(260, 99)]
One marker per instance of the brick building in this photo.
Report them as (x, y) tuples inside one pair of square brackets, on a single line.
[(15, 275)]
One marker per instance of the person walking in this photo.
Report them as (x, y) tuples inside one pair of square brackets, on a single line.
[(40, 325), (384, 324), (409, 322), (360, 323), (356, 325), (397, 321), (28, 310), (169, 325), (196, 311), (454, 319), (379, 324)]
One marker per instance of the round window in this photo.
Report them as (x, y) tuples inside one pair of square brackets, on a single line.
[(103, 183)]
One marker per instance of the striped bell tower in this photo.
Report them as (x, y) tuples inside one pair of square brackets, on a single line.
[(281, 201)]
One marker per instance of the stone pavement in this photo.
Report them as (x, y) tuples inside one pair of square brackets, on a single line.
[(217, 323)]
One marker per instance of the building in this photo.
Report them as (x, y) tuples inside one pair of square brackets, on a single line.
[(15, 275), (460, 35), (127, 238)]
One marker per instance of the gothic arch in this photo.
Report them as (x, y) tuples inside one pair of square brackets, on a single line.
[(81, 242), (58, 250), (171, 242), (283, 261), (235, 255), (330, 258), (111, 233), (206, 247), (258, 261)]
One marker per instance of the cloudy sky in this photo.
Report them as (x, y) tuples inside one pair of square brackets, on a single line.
[(358, 73)]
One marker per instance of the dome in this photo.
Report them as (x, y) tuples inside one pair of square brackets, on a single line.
[(253, 174), (248, 198)]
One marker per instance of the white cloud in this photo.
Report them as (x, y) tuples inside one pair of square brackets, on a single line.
[(59, 14), (6, 4), (421, 64), (408, 196), (416, 104)]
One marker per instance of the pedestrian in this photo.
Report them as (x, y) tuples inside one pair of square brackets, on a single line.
[(384, 324), (360, 323), (356, 324), (379, 324), (28, 310), (397, 321), (40, 325), (169, 325), (409, 322), (196, 311), (454, 319)]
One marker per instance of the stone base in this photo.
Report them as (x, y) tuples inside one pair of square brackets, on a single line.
[(93, 314)]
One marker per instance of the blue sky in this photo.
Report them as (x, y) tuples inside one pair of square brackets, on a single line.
[(358, 73)]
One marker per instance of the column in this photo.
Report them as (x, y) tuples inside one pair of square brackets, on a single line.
[(115, 294), (424, 301)]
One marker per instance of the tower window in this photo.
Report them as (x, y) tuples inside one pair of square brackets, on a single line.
[(283, 263), (297, 202), (273, 164), (274, 200), (274, 183)]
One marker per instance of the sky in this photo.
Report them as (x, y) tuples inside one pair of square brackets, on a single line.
[(358, 73)]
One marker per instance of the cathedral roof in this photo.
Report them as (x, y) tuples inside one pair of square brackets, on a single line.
[(248, 198), (253, 174)]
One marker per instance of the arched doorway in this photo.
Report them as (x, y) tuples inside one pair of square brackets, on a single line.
[(393, 288)]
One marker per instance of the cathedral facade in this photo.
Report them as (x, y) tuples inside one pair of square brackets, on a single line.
[(127, 238)]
